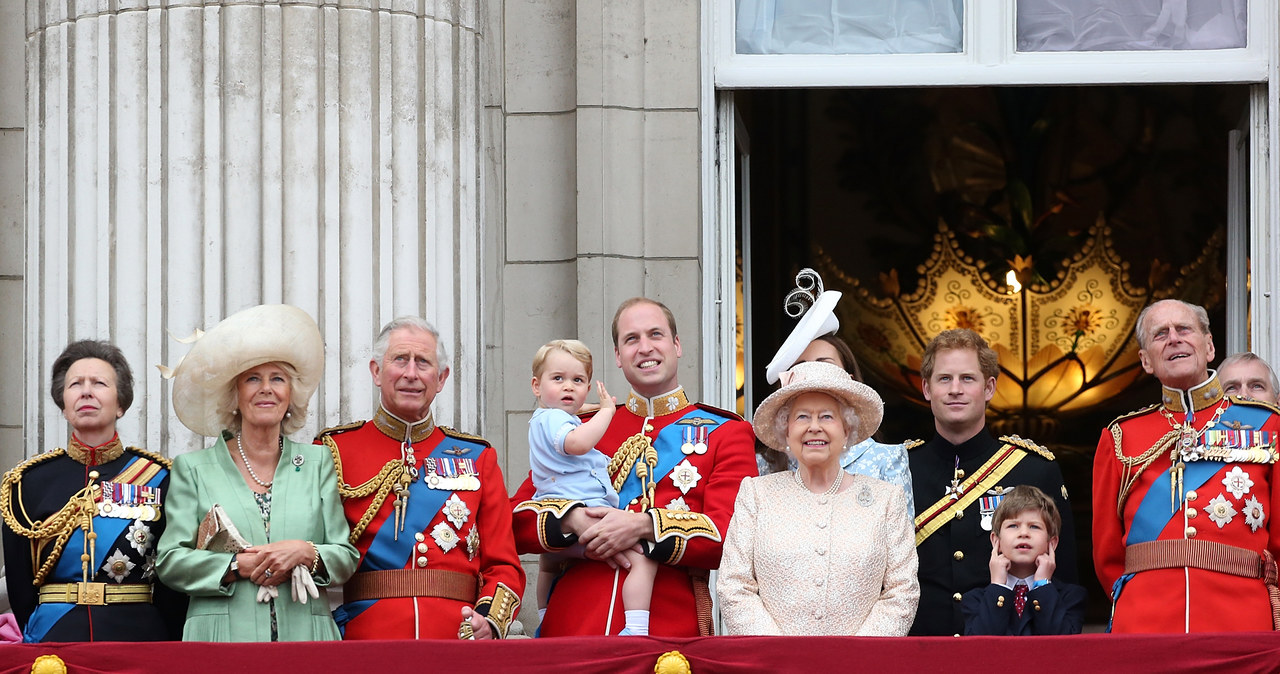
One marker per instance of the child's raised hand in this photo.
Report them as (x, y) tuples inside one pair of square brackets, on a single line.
[(1046, 564), (606, 401), (999, 564)]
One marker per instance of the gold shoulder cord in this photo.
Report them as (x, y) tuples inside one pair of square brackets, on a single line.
[(76, 514), (626, 457), (1134, 465), (162, 460), (392, 474)]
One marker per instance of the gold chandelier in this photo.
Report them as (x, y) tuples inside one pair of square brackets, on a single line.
[(1066, 344)]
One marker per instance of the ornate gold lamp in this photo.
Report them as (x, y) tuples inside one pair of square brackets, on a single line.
[(1066, 344)]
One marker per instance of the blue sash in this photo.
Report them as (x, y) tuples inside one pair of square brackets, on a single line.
[(1154, 513), (67, 569), (386, 552), (667, 444)]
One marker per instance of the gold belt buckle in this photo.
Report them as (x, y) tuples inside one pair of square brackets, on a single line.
[(91, 594)]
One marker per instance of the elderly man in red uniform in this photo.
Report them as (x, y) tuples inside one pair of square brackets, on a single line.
[(1185, 493), (427, 507), (676, 465)]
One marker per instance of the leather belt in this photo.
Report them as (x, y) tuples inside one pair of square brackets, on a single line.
[(1206, 555), (95, 594), (1209, 556), (440, 583)]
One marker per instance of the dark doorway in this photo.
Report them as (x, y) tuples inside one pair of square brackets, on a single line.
[(859, 184)]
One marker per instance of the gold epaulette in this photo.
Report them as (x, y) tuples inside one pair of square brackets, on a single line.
[(912, 444), (455, 433), (1237, 400), (1028, 445), (146, 454), (14, 476), (339, 429), (1135, 413), (733, 416)]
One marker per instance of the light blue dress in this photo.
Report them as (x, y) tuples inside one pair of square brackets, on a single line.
[(873, 459), (557, 474)]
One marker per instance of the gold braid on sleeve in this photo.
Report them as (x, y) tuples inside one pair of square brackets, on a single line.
[(380, 485), (76, 514)]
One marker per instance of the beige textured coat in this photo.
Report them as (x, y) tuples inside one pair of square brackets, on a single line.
[(798, 563)]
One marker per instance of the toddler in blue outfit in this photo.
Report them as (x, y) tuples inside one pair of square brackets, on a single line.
[(565, 464)]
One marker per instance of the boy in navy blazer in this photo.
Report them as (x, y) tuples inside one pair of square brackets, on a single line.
[(1023, 597)]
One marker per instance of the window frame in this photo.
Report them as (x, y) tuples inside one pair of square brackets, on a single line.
[(988, 58)]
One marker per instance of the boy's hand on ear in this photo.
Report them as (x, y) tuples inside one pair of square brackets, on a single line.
[(1047, 563), (999, 565)]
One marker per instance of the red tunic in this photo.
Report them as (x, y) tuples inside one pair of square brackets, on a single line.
[(1185, 599), (588, 597), (364, 451)]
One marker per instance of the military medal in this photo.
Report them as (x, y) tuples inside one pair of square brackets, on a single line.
[(687, 447), (955, 491), (444, 536), (1220, 510), (456, 511), (473, 543), (452, 474), (987, 506), (685, 476), (695, 440), (1254, 515), (140, 537)]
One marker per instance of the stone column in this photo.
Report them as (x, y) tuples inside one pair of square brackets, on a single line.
[(188, 158)]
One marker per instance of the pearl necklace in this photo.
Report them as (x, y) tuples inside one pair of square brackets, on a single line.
[(245, 459), (835, 484)]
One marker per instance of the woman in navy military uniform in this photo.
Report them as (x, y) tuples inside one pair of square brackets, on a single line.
[(81, 523)]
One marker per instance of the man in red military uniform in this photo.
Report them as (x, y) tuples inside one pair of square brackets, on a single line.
[(1185, 493), (676, 465), (427, 507)]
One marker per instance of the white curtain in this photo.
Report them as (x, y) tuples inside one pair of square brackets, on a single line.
[(1129, 25), (849, 26)]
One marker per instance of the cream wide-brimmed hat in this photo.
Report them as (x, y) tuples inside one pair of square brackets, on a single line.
[(816, 376), (267, 333)]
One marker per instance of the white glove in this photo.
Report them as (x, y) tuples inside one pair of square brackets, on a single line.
[(303, 585), (266, 594)]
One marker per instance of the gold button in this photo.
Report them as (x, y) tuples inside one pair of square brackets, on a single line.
[(648, 428), (1192, 495), (1191, 513), (422, 561), (959, 473), (419, 537), (956, 596), (1191, 532), (422, 547), (959, 555), (1036, 603), (1000, 601), (959, 514)]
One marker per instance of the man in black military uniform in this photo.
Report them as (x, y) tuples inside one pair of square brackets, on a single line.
[(960, 476)]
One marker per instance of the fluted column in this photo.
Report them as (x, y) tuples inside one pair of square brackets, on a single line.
[(188, 158)]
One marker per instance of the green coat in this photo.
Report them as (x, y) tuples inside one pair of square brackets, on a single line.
[(304, 506)]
